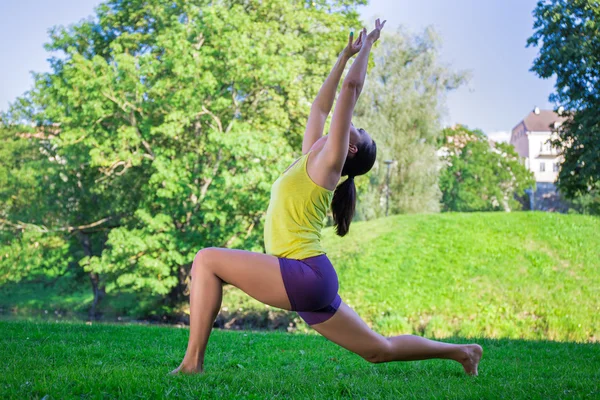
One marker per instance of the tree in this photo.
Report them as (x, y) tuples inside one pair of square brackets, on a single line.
[(479, 176), (567, 33), (171, 119), (25, 248), (401, 107)]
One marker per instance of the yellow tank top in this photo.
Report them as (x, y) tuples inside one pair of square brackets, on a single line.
[(296, 214)]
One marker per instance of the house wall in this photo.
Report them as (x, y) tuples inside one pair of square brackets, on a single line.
[(519, 140), (540, 152)]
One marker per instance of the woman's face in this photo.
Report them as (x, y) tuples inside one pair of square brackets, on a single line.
[(354, 134), (357, 135)]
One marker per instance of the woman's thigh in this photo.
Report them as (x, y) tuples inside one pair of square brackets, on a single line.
[(257, 274)]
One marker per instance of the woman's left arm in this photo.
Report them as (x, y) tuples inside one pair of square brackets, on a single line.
[(321, 107)]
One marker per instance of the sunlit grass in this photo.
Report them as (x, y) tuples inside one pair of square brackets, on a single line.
[(74, 360)]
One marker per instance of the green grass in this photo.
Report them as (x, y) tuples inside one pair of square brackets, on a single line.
[(74, 360)]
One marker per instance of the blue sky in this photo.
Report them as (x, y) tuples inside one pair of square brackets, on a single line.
[(487, 37)]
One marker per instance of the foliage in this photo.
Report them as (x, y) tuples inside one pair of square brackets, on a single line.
[(401, 107), (479, 176), (567, 33), (25, 179), (588, 203), (166, 123)]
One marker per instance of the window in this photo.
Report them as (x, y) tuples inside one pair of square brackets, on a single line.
[(555, 167), (545, 147), (542, 167)]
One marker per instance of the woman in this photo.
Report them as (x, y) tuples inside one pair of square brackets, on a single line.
[(296, 274)]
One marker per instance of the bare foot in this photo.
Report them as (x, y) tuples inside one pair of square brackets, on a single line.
[(471, 354), (184, 369)]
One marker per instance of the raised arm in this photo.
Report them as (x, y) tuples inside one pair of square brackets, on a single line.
[(324, 101), (336, 148)]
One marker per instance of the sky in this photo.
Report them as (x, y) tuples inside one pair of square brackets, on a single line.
[(485, 37)]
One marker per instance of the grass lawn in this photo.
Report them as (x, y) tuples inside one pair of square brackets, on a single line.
[(74, 360)]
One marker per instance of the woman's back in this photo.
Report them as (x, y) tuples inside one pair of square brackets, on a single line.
[(296, 213)]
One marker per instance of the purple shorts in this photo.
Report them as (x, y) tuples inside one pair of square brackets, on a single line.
[(312, 287)]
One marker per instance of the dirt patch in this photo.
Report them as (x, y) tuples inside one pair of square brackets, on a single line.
[(243, 320), (238, 320)]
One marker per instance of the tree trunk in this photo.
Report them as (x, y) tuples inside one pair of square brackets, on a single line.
[(179, 292), (99, 292), (97, 288)]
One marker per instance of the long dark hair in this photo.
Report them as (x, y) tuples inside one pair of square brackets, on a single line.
[(344, 197)]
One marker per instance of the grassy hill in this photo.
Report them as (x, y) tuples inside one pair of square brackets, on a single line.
[(499, 275), (515, 275)]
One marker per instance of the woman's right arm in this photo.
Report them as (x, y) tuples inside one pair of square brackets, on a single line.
[(336, 148)]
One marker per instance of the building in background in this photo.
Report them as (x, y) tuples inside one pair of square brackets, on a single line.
[(531, 138)]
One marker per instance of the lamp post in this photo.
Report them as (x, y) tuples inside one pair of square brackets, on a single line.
[(387, 186)]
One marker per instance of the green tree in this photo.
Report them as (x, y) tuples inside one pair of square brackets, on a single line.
[(567, 33), (478, 176), (401, 107), (25, 248), (171, 121)]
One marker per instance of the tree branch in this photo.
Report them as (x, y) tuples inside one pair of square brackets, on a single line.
[(133, 122), (217, 120), (42, 228)]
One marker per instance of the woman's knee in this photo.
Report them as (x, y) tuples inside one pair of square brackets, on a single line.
[(379, 353), (201, 259)]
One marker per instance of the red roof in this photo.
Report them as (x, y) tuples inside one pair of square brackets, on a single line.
[(542, 122)]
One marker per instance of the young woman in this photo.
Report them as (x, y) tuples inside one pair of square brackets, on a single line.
[(296, 274)]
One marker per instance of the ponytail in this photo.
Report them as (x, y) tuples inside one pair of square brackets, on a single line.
[(342, 205), (344, 197)]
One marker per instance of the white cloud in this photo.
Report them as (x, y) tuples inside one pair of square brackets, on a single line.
[(499, 136)]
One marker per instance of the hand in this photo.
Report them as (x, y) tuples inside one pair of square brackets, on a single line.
[(353, 48), (374, 35)]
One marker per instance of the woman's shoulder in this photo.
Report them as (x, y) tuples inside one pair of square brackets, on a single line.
[(319, 172)]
